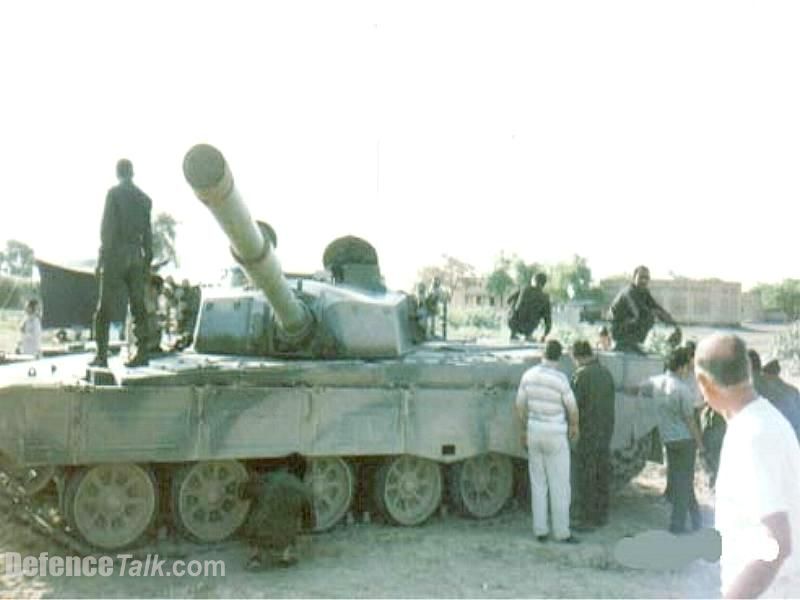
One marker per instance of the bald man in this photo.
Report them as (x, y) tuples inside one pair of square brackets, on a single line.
[(758, 485)]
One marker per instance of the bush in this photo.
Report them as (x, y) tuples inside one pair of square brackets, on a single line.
[(479, 318)]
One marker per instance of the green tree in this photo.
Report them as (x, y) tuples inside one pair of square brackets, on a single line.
[(570, 279), (788, 298), (784, 297), (499, 282), (451, 272), (163, 227), (17, 259), (524, 271), (768, 293)]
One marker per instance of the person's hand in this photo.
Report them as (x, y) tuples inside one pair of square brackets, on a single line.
[(573, 434)]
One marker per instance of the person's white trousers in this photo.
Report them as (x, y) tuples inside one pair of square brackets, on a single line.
[(548, 464)]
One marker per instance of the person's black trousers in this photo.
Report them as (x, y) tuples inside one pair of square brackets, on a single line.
[(593, 478), (680, 474)]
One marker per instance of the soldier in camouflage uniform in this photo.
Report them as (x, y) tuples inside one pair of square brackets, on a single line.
[(126, 251)]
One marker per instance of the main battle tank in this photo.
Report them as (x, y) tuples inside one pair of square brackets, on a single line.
[(329, 374)]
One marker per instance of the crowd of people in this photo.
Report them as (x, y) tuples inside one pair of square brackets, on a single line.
[(429, 306), (714, 400)]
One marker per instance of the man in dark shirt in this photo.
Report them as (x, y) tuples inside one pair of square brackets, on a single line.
[(633, 314), (594, 393), (529, 306), (784, 396), (126, 250)]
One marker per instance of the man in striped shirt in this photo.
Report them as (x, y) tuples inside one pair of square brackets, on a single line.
[(545, 402)]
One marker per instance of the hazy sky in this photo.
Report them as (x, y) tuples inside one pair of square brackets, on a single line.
[(663, 133)]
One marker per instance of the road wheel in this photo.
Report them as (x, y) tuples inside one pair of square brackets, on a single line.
[(333, 485), (206, 504), (480, 486), (31, 480), (111, 506), (408, 489)]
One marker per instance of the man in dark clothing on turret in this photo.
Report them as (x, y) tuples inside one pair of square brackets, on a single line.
[(529, 306), (126, 250), (634, 312)]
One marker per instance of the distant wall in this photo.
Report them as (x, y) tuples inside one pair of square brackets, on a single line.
[(702, 302)]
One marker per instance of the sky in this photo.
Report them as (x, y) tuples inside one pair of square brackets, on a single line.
[(657, 133)]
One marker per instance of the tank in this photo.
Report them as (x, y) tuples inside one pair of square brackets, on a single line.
[(327, 377)]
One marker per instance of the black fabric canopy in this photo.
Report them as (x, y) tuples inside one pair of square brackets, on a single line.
[(69, 297)]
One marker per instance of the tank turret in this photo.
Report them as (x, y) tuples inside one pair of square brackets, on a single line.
[(310, 318), (207, 172)]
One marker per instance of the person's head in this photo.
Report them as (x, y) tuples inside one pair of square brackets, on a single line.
[(604, 338), (678, 360), (32, 306), (124, 169), (641, 276), (691, 348), (722, 369), (552, 350), (582, 351), (772, 368), (540, 279)]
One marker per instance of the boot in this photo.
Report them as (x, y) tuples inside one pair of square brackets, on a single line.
[(101, 339), (99, 361), (139, 360)]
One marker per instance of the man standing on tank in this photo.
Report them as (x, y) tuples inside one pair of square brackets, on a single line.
[(126, 251), (634, 312)]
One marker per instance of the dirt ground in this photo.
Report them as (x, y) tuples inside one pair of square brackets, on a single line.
[(448, 557)]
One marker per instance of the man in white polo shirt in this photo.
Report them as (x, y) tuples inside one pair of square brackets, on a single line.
[(757, 510), (546, 404)]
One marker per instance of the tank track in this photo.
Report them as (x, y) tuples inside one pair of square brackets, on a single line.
[(40, 516), (37, 515)]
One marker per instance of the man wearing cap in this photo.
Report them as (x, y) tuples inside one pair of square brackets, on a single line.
[(126, 250), (634, 312)]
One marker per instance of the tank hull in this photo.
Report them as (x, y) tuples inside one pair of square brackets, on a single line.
[(444, 405)]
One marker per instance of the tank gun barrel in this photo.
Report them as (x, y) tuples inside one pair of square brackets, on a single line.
[(207, 172)]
